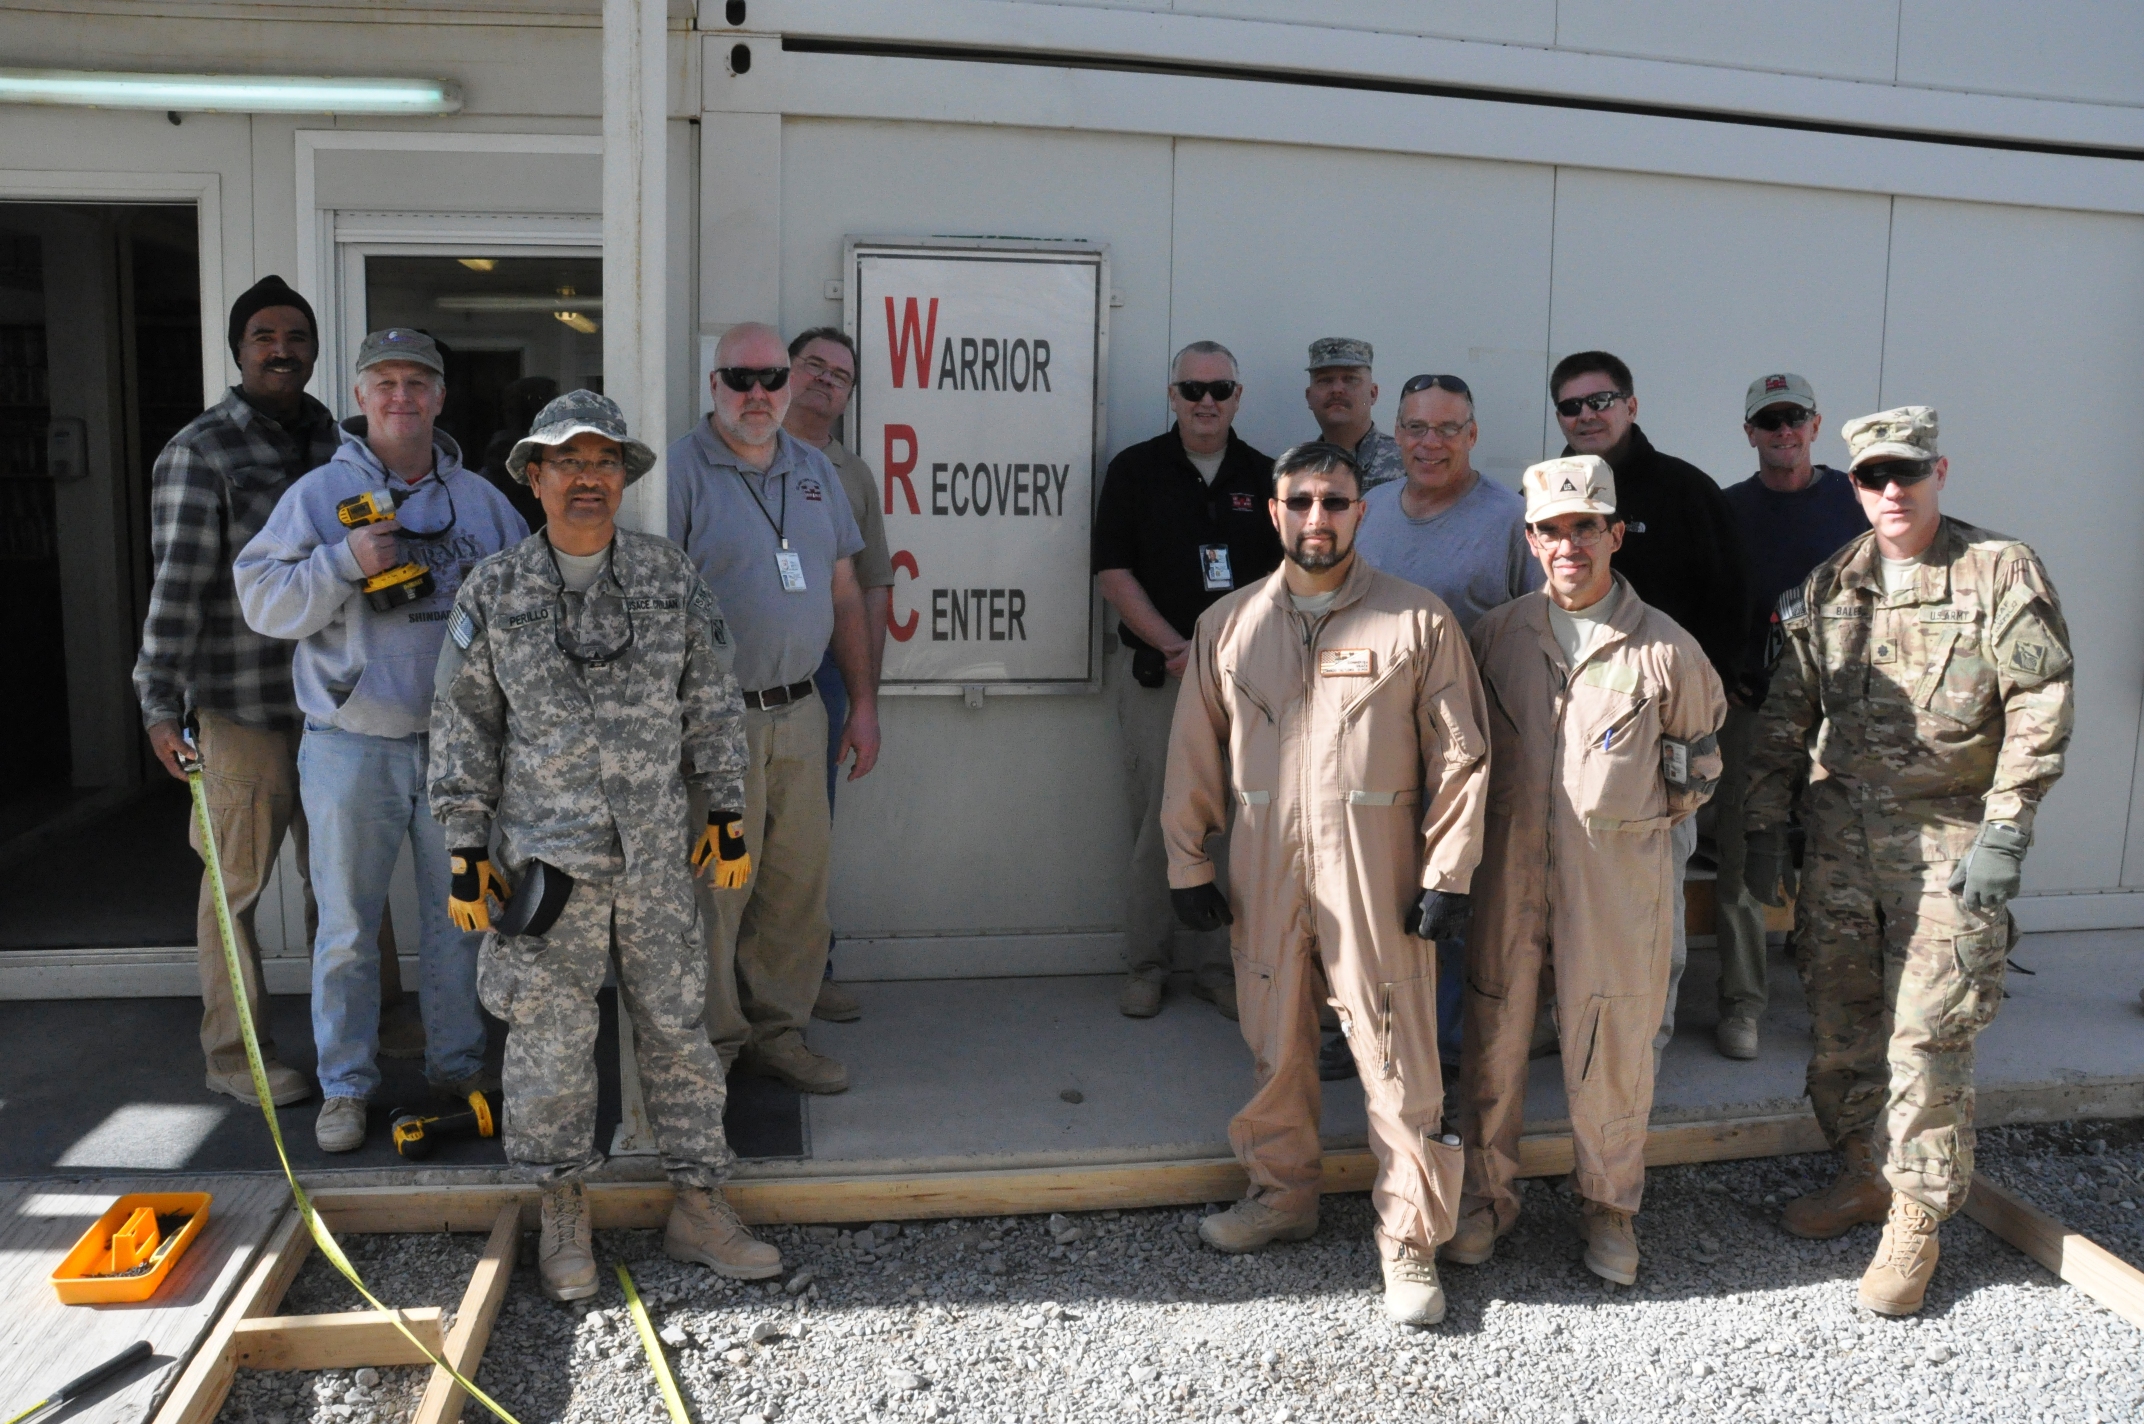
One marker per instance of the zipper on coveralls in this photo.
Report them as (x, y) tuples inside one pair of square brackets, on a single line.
[(1311, 629)]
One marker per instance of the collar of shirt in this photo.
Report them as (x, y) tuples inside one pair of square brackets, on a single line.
[(1863, 569)]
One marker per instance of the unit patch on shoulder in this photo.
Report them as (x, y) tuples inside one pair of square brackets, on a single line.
[(462, 629), (2029, 658), (1792, 605)]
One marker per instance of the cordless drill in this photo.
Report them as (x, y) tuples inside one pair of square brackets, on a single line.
[(417, 1131), (391, 588)]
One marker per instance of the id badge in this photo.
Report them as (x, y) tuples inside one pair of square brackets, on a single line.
[(791, 565), (1214, 566)]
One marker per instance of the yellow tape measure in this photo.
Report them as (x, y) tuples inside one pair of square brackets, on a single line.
[(672, 1400)]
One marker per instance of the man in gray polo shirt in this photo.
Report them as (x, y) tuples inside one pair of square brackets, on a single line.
[(765, 518)]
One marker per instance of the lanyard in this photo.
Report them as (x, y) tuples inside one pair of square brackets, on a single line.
[(771, 524)]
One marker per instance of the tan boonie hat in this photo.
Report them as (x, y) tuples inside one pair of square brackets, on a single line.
[(1329, 351), (1570, 484), (571, 414), (1907, 433), (1781, 388)]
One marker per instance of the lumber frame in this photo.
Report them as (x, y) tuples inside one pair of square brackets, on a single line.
[(200, 1392), (345, 1340), (2076, 1258), (443, 1398)]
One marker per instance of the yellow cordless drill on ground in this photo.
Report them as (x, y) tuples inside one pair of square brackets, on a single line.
[(405, 582), (418, 1131)]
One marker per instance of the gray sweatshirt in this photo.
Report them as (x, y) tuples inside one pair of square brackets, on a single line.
[(357, 669)]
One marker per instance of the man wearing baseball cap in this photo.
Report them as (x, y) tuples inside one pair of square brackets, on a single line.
[(363, 675), (1343, 400), (1602, 739), (1927, 664), (582, 669), (1792, 515)]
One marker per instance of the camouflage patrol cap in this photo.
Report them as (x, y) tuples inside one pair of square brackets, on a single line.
[(1570, 484), (1779, 388), (1907, 433), (400, 343), (572, 414), (1329, 351)]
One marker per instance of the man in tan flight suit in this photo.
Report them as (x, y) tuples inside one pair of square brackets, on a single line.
[(1330, 702), (1604, 737)]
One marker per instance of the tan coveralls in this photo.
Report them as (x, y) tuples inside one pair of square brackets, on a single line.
[(1577, 870), (1328, 733)]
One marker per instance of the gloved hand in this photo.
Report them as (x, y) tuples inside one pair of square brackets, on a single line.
[(1988, 876), (474, 886), (1202, 907), (1764, 865), (1440, 915), (723, 843)]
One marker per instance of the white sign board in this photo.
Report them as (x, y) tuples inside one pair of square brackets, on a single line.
[(978, 407)]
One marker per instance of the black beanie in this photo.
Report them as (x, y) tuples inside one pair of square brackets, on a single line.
[(269, 291)]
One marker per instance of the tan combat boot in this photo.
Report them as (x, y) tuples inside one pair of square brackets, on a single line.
[(1251, 1225), (787, 1059), (1412, 1293), (1611, 1243), (566, 1254), (836, 1004), (704, 1228), (1859, 1197), (1905, 1259), (1475, 1240)]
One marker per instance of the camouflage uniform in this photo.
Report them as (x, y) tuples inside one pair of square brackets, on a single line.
[(1925, 712), (578, 764)]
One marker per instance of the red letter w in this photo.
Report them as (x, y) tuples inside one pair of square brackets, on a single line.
[(899, 341)]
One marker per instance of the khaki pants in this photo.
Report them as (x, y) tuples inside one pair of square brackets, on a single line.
[(1153, 940), (767, 942), (249, 777), (1739, 919)]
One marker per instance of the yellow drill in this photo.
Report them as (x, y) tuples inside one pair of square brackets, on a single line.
[(405, 582)]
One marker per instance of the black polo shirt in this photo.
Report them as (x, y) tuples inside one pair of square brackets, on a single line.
[(1157, 514)]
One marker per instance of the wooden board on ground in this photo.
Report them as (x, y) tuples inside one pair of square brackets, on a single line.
[(2076, 1258), (43, 1344)]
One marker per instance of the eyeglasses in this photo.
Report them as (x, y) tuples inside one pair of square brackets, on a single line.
[(1793, 417), (1599, 400), (1448, 430), (1585, 536), (818, 370), (1195, 391), (1885, 473), (742, 378), (574, 467), (1443, 383), (1331, 503)]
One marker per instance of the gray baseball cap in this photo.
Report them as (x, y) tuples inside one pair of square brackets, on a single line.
[(1329, 351), (400, 343), (572, 414), (1779, 388)]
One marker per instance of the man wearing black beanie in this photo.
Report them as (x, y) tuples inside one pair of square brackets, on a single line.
[(215, 484)]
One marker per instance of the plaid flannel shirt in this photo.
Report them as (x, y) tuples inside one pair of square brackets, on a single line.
[(216, 483)]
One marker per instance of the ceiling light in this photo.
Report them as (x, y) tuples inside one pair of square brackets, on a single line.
[(507, 302), (478, 264), (229, 93), (584, 325)]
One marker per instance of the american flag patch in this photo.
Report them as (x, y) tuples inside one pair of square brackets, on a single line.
[(462, 629)]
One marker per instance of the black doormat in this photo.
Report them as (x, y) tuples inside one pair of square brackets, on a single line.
[(122, 878), (91, 1086)]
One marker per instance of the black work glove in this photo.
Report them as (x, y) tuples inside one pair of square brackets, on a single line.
[(1988, 876), (1202, 907), (1440, 915), (1764, 865)]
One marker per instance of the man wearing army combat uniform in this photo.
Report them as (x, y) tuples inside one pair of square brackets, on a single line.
[(1925, 669), (582, 668)]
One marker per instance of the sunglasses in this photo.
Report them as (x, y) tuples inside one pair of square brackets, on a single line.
[(1793, 417), (1885, 473), (742, 378), (1443, 383), (1599, 400), (1332, 503), (1195, 391)]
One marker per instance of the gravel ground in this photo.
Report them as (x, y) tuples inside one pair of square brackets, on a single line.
[(2091, 1174), (1109, 1316)]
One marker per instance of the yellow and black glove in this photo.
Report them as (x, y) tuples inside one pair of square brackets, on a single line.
[(723, 843), (474, 886)]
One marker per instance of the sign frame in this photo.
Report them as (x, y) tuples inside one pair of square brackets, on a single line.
[(856, 246)]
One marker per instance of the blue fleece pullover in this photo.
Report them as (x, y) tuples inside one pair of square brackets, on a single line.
[(357, 669)]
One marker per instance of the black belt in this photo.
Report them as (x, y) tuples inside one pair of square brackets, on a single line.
[(779, 696)]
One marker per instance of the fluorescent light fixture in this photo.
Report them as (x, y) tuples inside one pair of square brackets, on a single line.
[(229, 93), (506, 302), (478, 264), (584, 325)]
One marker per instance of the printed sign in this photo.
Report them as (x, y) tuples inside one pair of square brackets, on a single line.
[(976, 407)]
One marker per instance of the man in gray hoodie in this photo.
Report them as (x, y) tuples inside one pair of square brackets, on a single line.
[(363, 676)]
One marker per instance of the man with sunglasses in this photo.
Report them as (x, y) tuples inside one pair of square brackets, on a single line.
[(364, 682), (582, 670), (1343, 400), (1922, 686), (1793, 514), (1331, 722), (1181, 522), (769, 526), (1680, 551), (1602, 742)]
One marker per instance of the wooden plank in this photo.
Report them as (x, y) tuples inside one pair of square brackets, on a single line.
[(2076, 1258), (200, 1392), (443, 1398), (345, 1340)]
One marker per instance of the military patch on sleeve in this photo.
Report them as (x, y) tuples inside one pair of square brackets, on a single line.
[(2029, 658), (1792, 605), (703, 607), (462, 629)]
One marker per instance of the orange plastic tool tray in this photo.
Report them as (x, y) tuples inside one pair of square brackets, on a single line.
[(125, 1238)]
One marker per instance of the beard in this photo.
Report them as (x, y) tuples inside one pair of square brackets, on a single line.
[(1318, 560)]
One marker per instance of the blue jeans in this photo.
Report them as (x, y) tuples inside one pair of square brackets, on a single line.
[(1451, 996), (363, 797), (835, 694)]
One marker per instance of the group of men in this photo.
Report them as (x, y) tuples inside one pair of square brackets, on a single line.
[(598, 746), (1448, 732)]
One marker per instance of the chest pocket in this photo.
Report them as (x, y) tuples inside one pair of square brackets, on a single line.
[(1380, 744), (1618, 766), (1253, 737), (1956, 680)]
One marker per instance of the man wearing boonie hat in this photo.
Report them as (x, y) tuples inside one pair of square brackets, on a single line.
[(1928, 665), (1602, 739), (1343, 400), (363, 676), (583, 668)]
